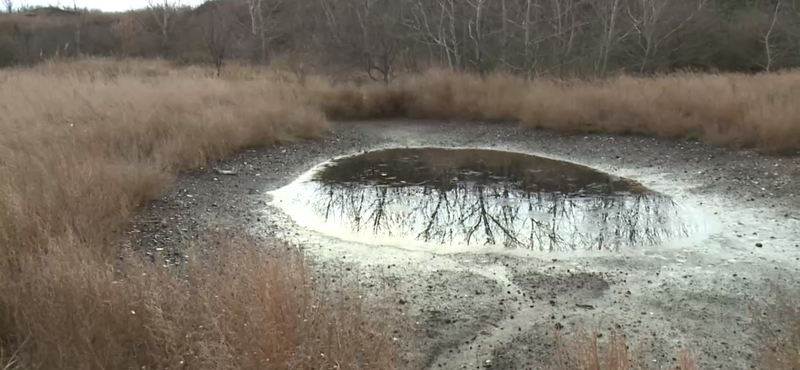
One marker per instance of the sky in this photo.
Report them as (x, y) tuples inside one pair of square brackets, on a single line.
[(106, 5)]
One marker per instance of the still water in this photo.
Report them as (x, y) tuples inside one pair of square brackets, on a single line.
[(471, 197)]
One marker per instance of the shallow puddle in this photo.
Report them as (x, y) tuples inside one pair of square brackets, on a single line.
[(470, 197)]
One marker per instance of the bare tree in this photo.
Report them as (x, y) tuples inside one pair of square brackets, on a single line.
[(529, 45), (80, 21), (766, 39), (526, 27), (504, 40), (607, 12), (434, 24), (261, 20), (476, 30), (654, 25), (163, 12), (257, 24), (565, 24), (379, 41), (382, 37), (256, 15), (218, 35), (371, 37)]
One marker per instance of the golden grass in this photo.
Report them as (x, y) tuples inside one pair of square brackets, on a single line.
[(237, 307), (82, 146), (734, 110), (80, 152), (85, 143)]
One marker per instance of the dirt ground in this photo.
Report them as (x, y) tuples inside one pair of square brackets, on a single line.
[(499, 309)]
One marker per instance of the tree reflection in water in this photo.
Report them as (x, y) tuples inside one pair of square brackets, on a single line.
[(484, 197)]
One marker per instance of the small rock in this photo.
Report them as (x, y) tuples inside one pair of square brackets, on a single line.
[(226, 172), (759, 245)]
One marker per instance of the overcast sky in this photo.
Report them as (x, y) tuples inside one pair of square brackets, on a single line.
[(107, 5)]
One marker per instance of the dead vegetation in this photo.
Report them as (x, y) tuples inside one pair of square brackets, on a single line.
[(583, 351), (386, 38), (734, 110), (237, 307), (85, 143), (81, 148)]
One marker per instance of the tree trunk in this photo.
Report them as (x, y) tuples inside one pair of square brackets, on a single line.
[(505, 32), (609, 36)]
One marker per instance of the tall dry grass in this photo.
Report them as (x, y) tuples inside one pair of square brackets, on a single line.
[(80, 150), (84, 143), (236, 307), (82, 146), (583, 351), (734, 110)]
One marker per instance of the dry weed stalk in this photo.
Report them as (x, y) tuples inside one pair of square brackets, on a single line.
[(584, 352)]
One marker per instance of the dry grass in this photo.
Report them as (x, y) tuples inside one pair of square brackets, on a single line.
[(80, 151), (236, 308), (85, 143), (584, 352), (82, 146), (734, 110)]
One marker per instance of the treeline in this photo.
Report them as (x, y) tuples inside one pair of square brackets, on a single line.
[(383, 38)]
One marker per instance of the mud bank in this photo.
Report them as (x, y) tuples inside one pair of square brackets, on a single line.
[(499, 308)]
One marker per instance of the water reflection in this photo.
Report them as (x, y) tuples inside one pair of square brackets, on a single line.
[(483, 197)]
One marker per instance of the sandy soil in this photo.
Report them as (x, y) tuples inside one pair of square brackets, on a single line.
[(499, 309)]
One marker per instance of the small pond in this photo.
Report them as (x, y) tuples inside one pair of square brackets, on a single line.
[(448, 198)]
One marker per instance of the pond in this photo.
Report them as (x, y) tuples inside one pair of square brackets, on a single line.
[(447, 198)]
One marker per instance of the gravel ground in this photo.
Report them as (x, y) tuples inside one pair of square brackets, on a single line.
[(499, 309)]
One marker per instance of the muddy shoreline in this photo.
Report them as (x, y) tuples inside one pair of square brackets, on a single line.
[(499, 310)]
